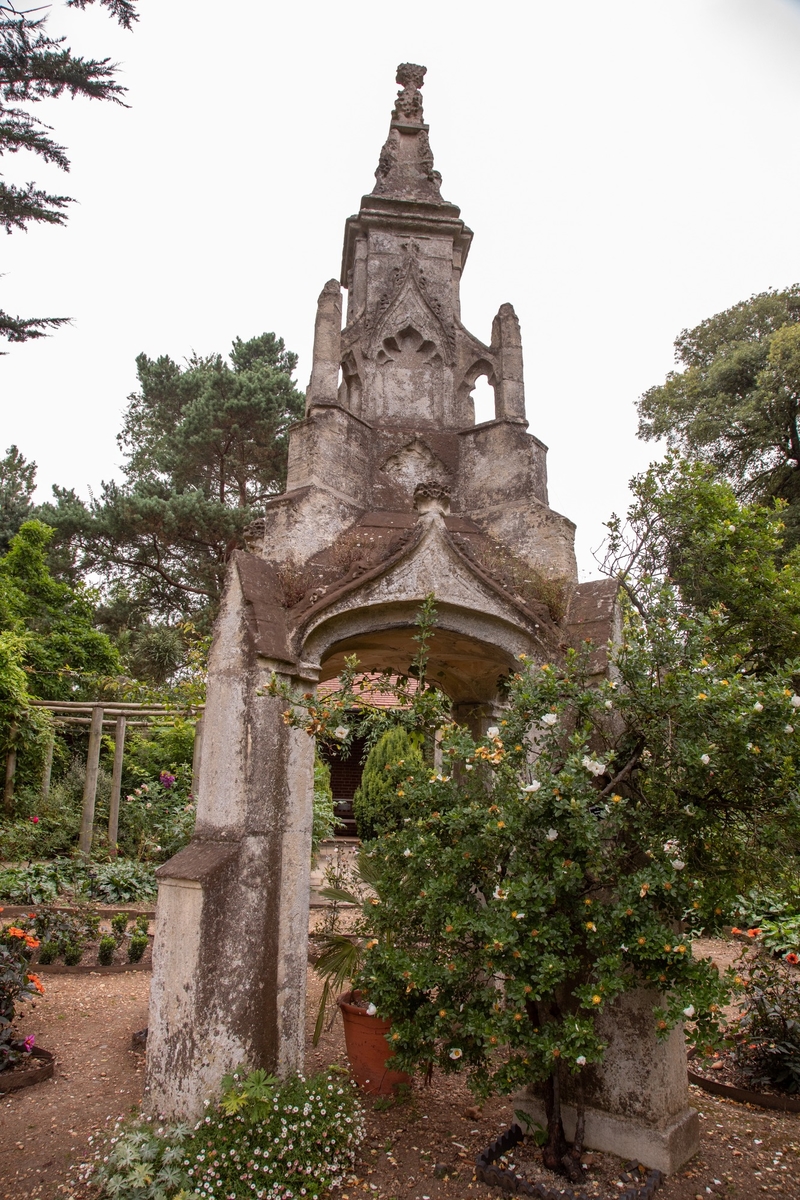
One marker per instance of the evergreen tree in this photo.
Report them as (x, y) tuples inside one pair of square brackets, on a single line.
[(205, 444), (33, 67), (17, 484), (376, 806)]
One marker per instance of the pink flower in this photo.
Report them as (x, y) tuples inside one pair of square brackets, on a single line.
[(35, 820), (30, 1042)]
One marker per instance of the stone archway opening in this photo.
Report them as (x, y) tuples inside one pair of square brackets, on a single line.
[(468, 670)]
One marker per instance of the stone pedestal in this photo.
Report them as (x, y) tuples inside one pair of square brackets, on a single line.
[(637, 1102)]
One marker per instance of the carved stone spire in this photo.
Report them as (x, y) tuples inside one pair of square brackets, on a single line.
[(405, 168)]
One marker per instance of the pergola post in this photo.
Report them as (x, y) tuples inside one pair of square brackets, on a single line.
[(47, 770), (90, 786), (116, 785), (11, 768), (197, 754)]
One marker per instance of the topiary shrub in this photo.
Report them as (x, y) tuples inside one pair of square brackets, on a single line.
[(73, 953), (137, 947), (105, 951), (378, 803), (119, 926), (48, 953)]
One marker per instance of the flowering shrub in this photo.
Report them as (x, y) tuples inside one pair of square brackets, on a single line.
[(264, 1139), (17, 983), (768, 1041), (157, 818), (571, 853)]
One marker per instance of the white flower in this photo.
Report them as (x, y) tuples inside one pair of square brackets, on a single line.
[(467, 766), (492, 731), (677, 864), (670, 846), (758, 706), (532, 787), (518, 916), (551, 835), (788, 729), (732, 528), (581, 1060), (371, 1010), (704, 758), (551, 718), (689, 1012), (624, 948), (609, 704), (594, 767), (499, 894), (341, 732), (455, 1053), (795, 701), (406, 853)]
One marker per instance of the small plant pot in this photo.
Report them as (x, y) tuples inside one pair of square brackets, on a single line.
[(368, 1050)]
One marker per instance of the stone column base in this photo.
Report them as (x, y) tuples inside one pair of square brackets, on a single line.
[(665, 1148)]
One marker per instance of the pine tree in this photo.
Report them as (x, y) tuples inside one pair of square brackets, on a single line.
[(17, 484), (33, 67), (205, 444)]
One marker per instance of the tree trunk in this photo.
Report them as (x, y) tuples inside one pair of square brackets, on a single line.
[(556, 1146)]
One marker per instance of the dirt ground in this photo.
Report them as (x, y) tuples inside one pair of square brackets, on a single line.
[(88, 1022)]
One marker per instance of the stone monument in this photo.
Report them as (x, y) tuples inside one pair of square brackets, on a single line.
[(393, 492)]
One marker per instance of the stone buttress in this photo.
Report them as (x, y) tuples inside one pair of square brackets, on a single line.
[(393, 492)]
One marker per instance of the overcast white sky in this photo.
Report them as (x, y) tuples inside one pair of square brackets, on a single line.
[(628, 168)]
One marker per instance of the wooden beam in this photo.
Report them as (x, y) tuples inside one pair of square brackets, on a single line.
[(116, 786), (90, 786)]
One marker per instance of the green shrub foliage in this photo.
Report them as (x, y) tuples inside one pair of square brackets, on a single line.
[(378, 805), (323, 821), (105, 951), (137, 946)]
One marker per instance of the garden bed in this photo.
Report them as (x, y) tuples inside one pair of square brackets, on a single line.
[(33, 1068)]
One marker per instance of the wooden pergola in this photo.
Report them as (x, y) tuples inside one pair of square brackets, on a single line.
[(97, 715)]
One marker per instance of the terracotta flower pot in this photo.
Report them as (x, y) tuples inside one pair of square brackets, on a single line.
[(368, 1050)]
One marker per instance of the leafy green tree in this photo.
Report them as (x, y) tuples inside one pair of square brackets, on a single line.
[(17, 485), (376, 806), (736, 400), (62, 650), (687, 529), (206, 444), (33, 67)]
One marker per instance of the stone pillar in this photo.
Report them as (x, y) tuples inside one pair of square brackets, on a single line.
[(323, 387), (231, 938), (637, 1101), (507, 345)]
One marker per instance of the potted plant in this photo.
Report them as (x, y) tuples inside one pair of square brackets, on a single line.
[(339, 961)]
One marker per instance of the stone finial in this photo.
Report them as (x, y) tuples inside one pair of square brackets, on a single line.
[(405, 168), (408, 105)]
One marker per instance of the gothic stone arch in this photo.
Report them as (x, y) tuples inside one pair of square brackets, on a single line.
[(392, 493)]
